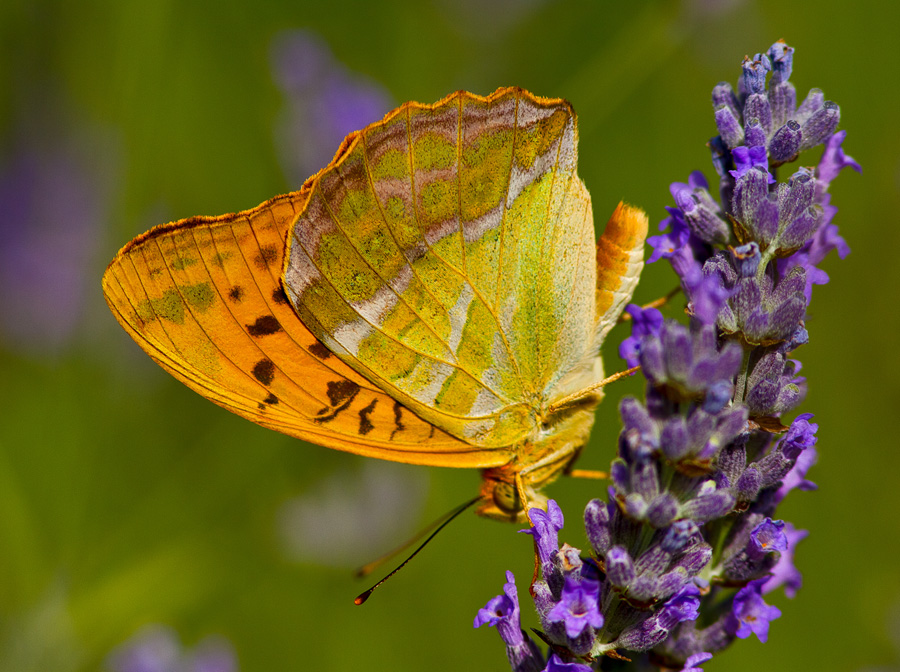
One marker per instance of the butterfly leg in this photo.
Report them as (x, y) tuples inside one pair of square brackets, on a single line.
[(524, 497), (587, 473)]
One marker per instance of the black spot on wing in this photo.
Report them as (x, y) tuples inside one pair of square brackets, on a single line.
[(341, 394), (365, 425), (268, 255), (236, 293), (271, 400), (279, 297), (319, 350), (398, 419), (264, 326), (341, 391), (264, 371)]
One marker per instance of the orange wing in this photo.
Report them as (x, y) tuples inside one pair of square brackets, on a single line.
[(203, 297)]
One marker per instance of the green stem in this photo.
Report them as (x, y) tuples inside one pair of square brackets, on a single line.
[(740, 388)]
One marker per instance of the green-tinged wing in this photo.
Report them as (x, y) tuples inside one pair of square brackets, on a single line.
[(447, 254)]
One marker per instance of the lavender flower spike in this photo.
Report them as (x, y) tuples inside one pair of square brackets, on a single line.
[(688, 538)]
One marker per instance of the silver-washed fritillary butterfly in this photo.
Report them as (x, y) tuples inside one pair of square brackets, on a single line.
[(425, 298)]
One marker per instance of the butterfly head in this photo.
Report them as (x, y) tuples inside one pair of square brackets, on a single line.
[(506, 500)]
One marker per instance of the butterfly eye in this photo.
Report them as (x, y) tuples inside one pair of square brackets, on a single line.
[(506, 497)]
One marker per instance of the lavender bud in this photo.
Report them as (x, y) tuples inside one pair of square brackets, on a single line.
[(799, 195), (723, 94), (750, 191), (717, 396), (619, 567), (781, 57), (798, 232), (772, 390), (701, 214), (679, 534), (729, 361), (662, 510), (757, 128), (596, 522), (785, 144), (820, 126), (748, 485), (674, 438), (635, 506), (709, 507), (746, 259), (651, 359), (783, 102), (678, 348), (696, 558), (730, 129), (811, 104), (670, 583), (753, 80)]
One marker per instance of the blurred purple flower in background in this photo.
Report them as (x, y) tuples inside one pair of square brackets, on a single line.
[(349, 512), (54, 205), (324, 102), (157, 648)]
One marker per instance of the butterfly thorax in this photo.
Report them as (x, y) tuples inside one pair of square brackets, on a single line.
[(508, 491)]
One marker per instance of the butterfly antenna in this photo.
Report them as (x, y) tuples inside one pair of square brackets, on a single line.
[(441, 523), (586, 391)]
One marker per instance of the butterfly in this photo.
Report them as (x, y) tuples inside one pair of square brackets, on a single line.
[(434, 296)]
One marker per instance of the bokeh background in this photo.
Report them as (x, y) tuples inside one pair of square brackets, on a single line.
[(140, 522)]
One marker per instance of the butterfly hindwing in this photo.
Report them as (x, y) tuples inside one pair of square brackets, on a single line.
[(446, 254), (203, 298)]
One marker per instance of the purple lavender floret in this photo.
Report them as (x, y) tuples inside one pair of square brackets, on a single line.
[(754, 548), (750, 614), (688, 538), (644, 322), (785, 574), (502, 612), (555, 664), (577, 608), (692, 664)]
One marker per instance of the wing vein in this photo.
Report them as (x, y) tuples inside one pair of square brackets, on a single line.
[(396, 340)]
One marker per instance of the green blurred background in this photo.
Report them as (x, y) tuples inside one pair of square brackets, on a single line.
[(126, 500)]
